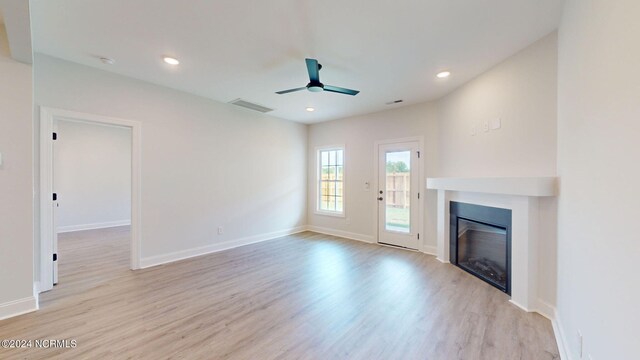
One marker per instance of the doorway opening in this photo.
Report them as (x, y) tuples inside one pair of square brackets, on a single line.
[(89, 193)]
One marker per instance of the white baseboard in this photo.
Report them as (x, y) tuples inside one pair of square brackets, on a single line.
[(549, 311), (561, 339), (18, 307), (342, 234), (519, 306), (102, 225), (443, 261), (431, 250), (545, 309), (203, 250)]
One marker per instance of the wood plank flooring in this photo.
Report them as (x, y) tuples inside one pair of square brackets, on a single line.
[(305, 296)]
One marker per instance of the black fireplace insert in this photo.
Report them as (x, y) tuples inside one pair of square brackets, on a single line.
[(480, 242)]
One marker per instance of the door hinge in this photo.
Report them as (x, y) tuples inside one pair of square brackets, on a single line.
[(55, 197), (418, 195), (418, 154), (55, 257), (55, 136), (418, 236)]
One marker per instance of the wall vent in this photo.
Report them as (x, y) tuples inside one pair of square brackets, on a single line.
[(250, 105)]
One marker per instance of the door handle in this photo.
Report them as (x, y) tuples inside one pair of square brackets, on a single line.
[(380, 198)]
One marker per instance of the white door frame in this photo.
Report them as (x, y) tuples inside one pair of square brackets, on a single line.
[(48, 116), (421, 182)]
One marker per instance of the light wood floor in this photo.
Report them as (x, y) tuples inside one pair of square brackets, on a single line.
[(306, 296)]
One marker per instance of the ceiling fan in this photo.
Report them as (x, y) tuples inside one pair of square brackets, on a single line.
[(315, 85)]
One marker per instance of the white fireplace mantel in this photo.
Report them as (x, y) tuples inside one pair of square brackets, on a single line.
[(520, 195), (525, 186)]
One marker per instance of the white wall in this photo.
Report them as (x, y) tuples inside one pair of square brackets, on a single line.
[(92, 175), (598, 154), (522, 92), (204, 164), (16, 174), (359, 135)]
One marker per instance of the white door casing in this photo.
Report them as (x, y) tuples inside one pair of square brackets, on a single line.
[(48, 233), (54, 206)]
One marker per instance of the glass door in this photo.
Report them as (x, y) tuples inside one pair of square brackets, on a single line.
[(398, 194)]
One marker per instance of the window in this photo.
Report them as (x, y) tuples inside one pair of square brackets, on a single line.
[(331, 181)]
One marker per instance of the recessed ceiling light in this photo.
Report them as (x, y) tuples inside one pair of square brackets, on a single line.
[(443, 74), (310, 109), (108, 61), (171, 61)]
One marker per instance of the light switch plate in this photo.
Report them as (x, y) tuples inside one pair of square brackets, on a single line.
[(474, 130), (496, 124), (485, 126), (0, 159)]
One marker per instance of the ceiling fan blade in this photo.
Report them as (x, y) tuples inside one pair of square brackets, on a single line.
[(340, 90), (290, 90), (313, 68)]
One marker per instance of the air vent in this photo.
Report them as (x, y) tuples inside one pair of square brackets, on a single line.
[(250, 105)]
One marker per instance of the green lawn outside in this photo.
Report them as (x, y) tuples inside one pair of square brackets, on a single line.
[(398, 218)]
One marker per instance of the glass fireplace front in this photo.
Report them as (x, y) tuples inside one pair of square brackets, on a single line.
[(480, 242), (482, 250)]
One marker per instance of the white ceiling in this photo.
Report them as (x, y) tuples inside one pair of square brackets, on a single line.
[(249, 49)]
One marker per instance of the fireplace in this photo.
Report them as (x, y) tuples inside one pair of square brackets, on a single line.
[(480, 242), (520, 195)]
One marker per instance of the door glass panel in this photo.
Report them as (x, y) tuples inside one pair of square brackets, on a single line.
[(398, 191)]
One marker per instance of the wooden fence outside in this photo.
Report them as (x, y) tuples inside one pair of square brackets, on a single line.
[(398, 189)]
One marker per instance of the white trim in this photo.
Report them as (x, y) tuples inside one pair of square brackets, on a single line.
[(343, 234), (561, 339), (430, 250), (442, 226), (421, 180), (331, 213), (545, 309), (18, 307), (549, 311), (521, 186), (102, 225), (48, 116), (208, 249), (46, 210), (521, 307), (391, 246), (316, 209)]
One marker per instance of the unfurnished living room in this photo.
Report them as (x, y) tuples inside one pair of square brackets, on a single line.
[(296, 179)]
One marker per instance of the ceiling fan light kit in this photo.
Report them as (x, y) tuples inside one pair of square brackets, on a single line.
[(314, 85)]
